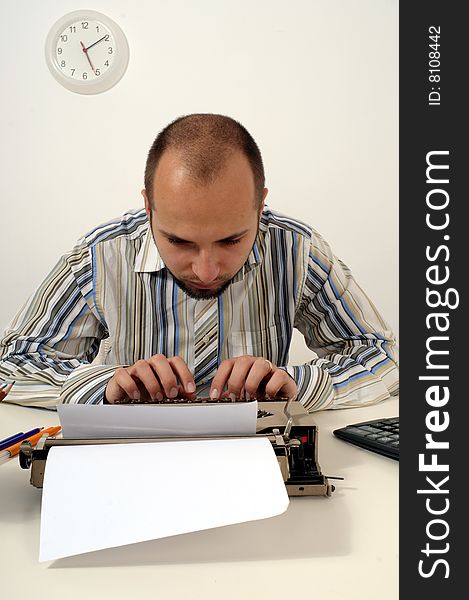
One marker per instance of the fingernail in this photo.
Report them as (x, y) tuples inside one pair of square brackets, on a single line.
[(248, 396), (214, 394), (232, 397), (173, 393), (159, 396), (136, 396), (191, 387)]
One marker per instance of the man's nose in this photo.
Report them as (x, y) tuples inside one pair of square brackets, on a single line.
[(206, 267)]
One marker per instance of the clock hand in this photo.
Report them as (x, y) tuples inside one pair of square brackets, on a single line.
[(85, 50), (100, 40)]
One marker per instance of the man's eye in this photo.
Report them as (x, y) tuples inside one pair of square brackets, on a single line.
[(176, 242), (231, 242)]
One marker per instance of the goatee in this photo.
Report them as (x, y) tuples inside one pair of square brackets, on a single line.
[(202, 294)]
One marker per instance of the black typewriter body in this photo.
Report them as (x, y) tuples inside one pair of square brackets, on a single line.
[(304, 473)]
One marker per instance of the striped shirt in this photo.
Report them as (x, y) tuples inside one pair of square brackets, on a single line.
[(114, 286)]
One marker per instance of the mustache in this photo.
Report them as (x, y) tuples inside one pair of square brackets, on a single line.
[(217, 280)]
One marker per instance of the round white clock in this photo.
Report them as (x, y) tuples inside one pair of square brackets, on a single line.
[(87, 52)]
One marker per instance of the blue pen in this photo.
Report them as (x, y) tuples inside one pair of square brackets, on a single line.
[(18, 438), (9, 440)]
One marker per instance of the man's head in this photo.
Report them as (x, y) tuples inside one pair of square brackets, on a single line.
[(204, 192)]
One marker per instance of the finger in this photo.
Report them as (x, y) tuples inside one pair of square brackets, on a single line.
[(221, 378), (167, 377), (145, 377), (185, 376), (239, 375), (120, 386), (281, 384), (260, 371)]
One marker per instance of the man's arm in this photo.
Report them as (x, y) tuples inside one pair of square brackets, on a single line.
[(48, 347), (357, 352)]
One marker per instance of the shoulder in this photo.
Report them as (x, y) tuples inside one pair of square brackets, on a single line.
[(272, 219), (316, 249), (132, 225)]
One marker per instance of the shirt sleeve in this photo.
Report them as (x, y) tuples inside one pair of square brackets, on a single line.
[(357, 355), (48, 347)]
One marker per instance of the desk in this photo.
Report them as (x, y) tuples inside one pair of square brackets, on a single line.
[(335, 548)]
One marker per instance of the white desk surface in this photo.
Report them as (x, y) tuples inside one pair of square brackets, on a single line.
[(343, 547)]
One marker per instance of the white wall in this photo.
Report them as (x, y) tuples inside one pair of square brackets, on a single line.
[(315, 82)]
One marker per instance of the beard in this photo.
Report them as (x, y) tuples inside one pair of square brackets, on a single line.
[(198, 294)]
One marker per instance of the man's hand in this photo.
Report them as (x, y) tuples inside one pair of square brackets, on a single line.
[(151, 379), (250, 375)]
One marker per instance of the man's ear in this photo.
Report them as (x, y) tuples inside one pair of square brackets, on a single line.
[(266, 191), (147, 203)]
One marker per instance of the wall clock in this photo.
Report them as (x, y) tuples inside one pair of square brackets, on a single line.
[(87, 52)]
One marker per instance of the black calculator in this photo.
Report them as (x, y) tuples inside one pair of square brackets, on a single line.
[(380, 436)]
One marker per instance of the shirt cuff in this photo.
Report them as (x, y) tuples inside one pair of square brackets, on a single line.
[(86, 385), (315, 390)]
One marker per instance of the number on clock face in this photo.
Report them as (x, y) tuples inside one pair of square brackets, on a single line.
[(85, 50)]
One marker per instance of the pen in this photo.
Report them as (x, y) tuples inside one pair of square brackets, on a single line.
[(5, 384), (10, 438), (4, 389), (13, 450), (19, 437)]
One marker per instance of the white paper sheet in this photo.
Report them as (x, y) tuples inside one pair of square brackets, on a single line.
[(102, 496), (144, 420)]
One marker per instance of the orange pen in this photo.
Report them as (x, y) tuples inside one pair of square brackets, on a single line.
[(13, 450)]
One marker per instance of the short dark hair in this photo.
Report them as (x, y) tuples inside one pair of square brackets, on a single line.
[(206, 141)]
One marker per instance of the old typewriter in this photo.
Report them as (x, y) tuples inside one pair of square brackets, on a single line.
[(288, 426)]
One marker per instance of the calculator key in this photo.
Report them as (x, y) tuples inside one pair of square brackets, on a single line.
[(355, 430), (371, 429), (385, 440)]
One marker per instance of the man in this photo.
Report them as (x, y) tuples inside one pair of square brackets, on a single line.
[(199, 293)]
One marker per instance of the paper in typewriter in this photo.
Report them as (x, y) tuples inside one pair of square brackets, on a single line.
[(103, 496), (146, 420)]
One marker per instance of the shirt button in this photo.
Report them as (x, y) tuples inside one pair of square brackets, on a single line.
[(206, 339)]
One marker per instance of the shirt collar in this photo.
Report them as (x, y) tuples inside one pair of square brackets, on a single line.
[(149, 259)]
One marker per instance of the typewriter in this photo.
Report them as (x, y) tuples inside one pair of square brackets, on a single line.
[(284, 422)]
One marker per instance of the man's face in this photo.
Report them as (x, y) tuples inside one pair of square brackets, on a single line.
[(204, 233)]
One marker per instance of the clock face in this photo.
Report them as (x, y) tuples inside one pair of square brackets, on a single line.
[(87, 52)]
